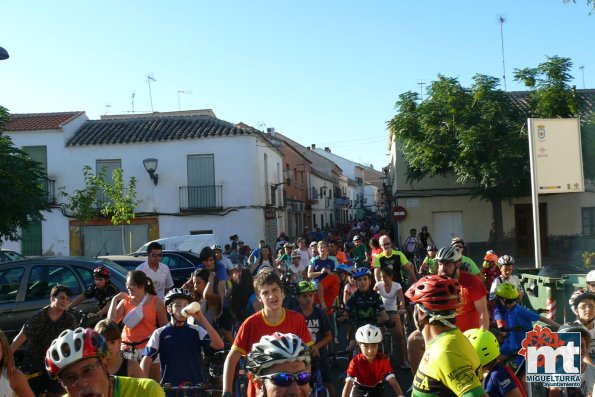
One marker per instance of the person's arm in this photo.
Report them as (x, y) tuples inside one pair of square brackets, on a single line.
[(549, 322), (209, 291), (229, 367), (145, 366), (169, 281), (312, 273), (401, 299), (555, 392), (347, 388), (514, 393), (216, 341), (116, 307), (18, 341), (395, 385), (134, 369), (161, 312), (411, 270), (326, 339), (377, 275), (100, 313), (77, 301), (19, 383), (221, 294), (481, 305)]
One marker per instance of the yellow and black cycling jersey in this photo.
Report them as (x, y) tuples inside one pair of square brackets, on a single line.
[(449, 367)]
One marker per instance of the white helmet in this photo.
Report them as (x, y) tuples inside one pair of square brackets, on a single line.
[(274, 349), (591, 276), (448, 254), (368, 334), (73, 346)]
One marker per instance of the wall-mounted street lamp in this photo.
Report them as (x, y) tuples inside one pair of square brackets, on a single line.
[(287, 174), (151, 166), (3, 54)]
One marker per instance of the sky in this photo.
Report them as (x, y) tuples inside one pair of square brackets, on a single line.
[(324, 72)]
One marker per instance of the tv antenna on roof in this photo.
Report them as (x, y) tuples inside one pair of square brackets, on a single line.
[(262, 125), (133, 95), (582, 68), (421, 89), (107, 108), (501, 20), (150, 78), (182, 92)]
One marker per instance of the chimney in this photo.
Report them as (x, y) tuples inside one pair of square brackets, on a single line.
[(313, 146), (327, 149)]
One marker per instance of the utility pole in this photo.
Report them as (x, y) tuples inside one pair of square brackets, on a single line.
[(501, 20), (421, 89)]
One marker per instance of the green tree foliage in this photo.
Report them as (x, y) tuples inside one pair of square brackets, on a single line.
[(589, 3), (23, 193), (118, 204), (474, 133)]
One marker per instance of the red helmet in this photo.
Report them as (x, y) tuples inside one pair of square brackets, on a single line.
[(101, 271), (436, 293)]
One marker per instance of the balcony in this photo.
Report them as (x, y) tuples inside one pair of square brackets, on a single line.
[(199, 198)]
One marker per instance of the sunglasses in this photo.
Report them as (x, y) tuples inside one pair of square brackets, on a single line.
[(284, 379)]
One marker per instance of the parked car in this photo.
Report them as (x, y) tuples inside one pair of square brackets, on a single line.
[(189, 242), (181, 264), (128, 262), (25, 285), (9, 255)]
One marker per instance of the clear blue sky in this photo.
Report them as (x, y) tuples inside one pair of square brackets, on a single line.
[(320, 71)]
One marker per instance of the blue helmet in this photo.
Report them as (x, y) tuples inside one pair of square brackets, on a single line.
[(361, 271), (343, 268)]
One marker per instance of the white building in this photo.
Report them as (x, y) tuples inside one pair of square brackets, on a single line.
[(212, 177)]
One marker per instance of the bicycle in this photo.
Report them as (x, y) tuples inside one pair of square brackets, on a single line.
[(241, 380), (188, 389), (318, 389)]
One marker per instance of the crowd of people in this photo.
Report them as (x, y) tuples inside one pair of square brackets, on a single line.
[(275, 311)]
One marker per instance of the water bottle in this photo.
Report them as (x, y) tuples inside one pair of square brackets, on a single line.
[(191, 309)]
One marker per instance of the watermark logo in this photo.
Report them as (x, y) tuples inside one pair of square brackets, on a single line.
[(552, 358)]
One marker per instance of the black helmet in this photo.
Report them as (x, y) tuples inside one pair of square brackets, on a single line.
[(175, 293), (101, 271)]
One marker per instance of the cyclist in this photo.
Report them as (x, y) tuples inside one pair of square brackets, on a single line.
[(280, 366), (102, 289), (369, 369), (429, 265), (158, 272), (450, 366), (179, 345), (582, 304), (77, 359), (116, 363), (515, 319), (365, 305), (591, 281), (321, 267), (467, 264), (360, 253), (412, 245), (39, 331), (273, 317), (320, 330), (395, 260), (498, 379), (490, 270), (506, 263)]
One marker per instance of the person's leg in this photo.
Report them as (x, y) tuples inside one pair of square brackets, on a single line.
[(397, 332), (416, 348)]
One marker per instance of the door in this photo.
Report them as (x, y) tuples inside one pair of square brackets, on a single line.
[(201, 181), (523, 222), (445, 226)]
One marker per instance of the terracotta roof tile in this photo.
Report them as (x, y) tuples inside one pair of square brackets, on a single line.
[(40, 121)]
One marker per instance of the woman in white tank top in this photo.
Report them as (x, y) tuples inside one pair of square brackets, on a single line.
[(12, 380)]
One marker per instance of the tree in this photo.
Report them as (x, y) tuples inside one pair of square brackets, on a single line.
[(589, 3), (119, 204), (474, 133), (23, 194)]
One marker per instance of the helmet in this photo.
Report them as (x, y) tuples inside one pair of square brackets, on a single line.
[(306, 286), (491, 258), (360, 272), (431, 247), (101, 271), (574, 327), (368, 334), (356, 237), (216, 365), (175, 293), (71, 347), (436, 293), (578, 296), (505, 260), (457, 240), (343, 268), (448, 254), (507, 291), (295, 253), (274, 349), (591, 276), (216, 248), (485, 344)]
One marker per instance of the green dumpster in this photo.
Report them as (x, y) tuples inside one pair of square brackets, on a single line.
[(544, 295)]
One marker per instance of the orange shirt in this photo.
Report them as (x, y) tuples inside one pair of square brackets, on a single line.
[(145, 328), (341, 258)]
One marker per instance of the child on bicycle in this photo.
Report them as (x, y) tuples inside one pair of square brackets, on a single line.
[(179, 345), (506, 263), (514, 320), (320, 267), (429, 265), (369, 369), (365, 305), (320, 330), (490, 270), (498, 379), (103, 290)]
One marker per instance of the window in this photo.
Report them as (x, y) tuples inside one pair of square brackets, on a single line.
[(43, 278), (588, 222), (10, 281), (175, 262), (106, 168), (201, 181)]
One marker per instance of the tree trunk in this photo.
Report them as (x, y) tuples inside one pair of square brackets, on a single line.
[(497, 219)]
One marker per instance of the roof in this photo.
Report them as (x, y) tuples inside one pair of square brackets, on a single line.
[(156, 128), (40, 121), (587, 101)]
